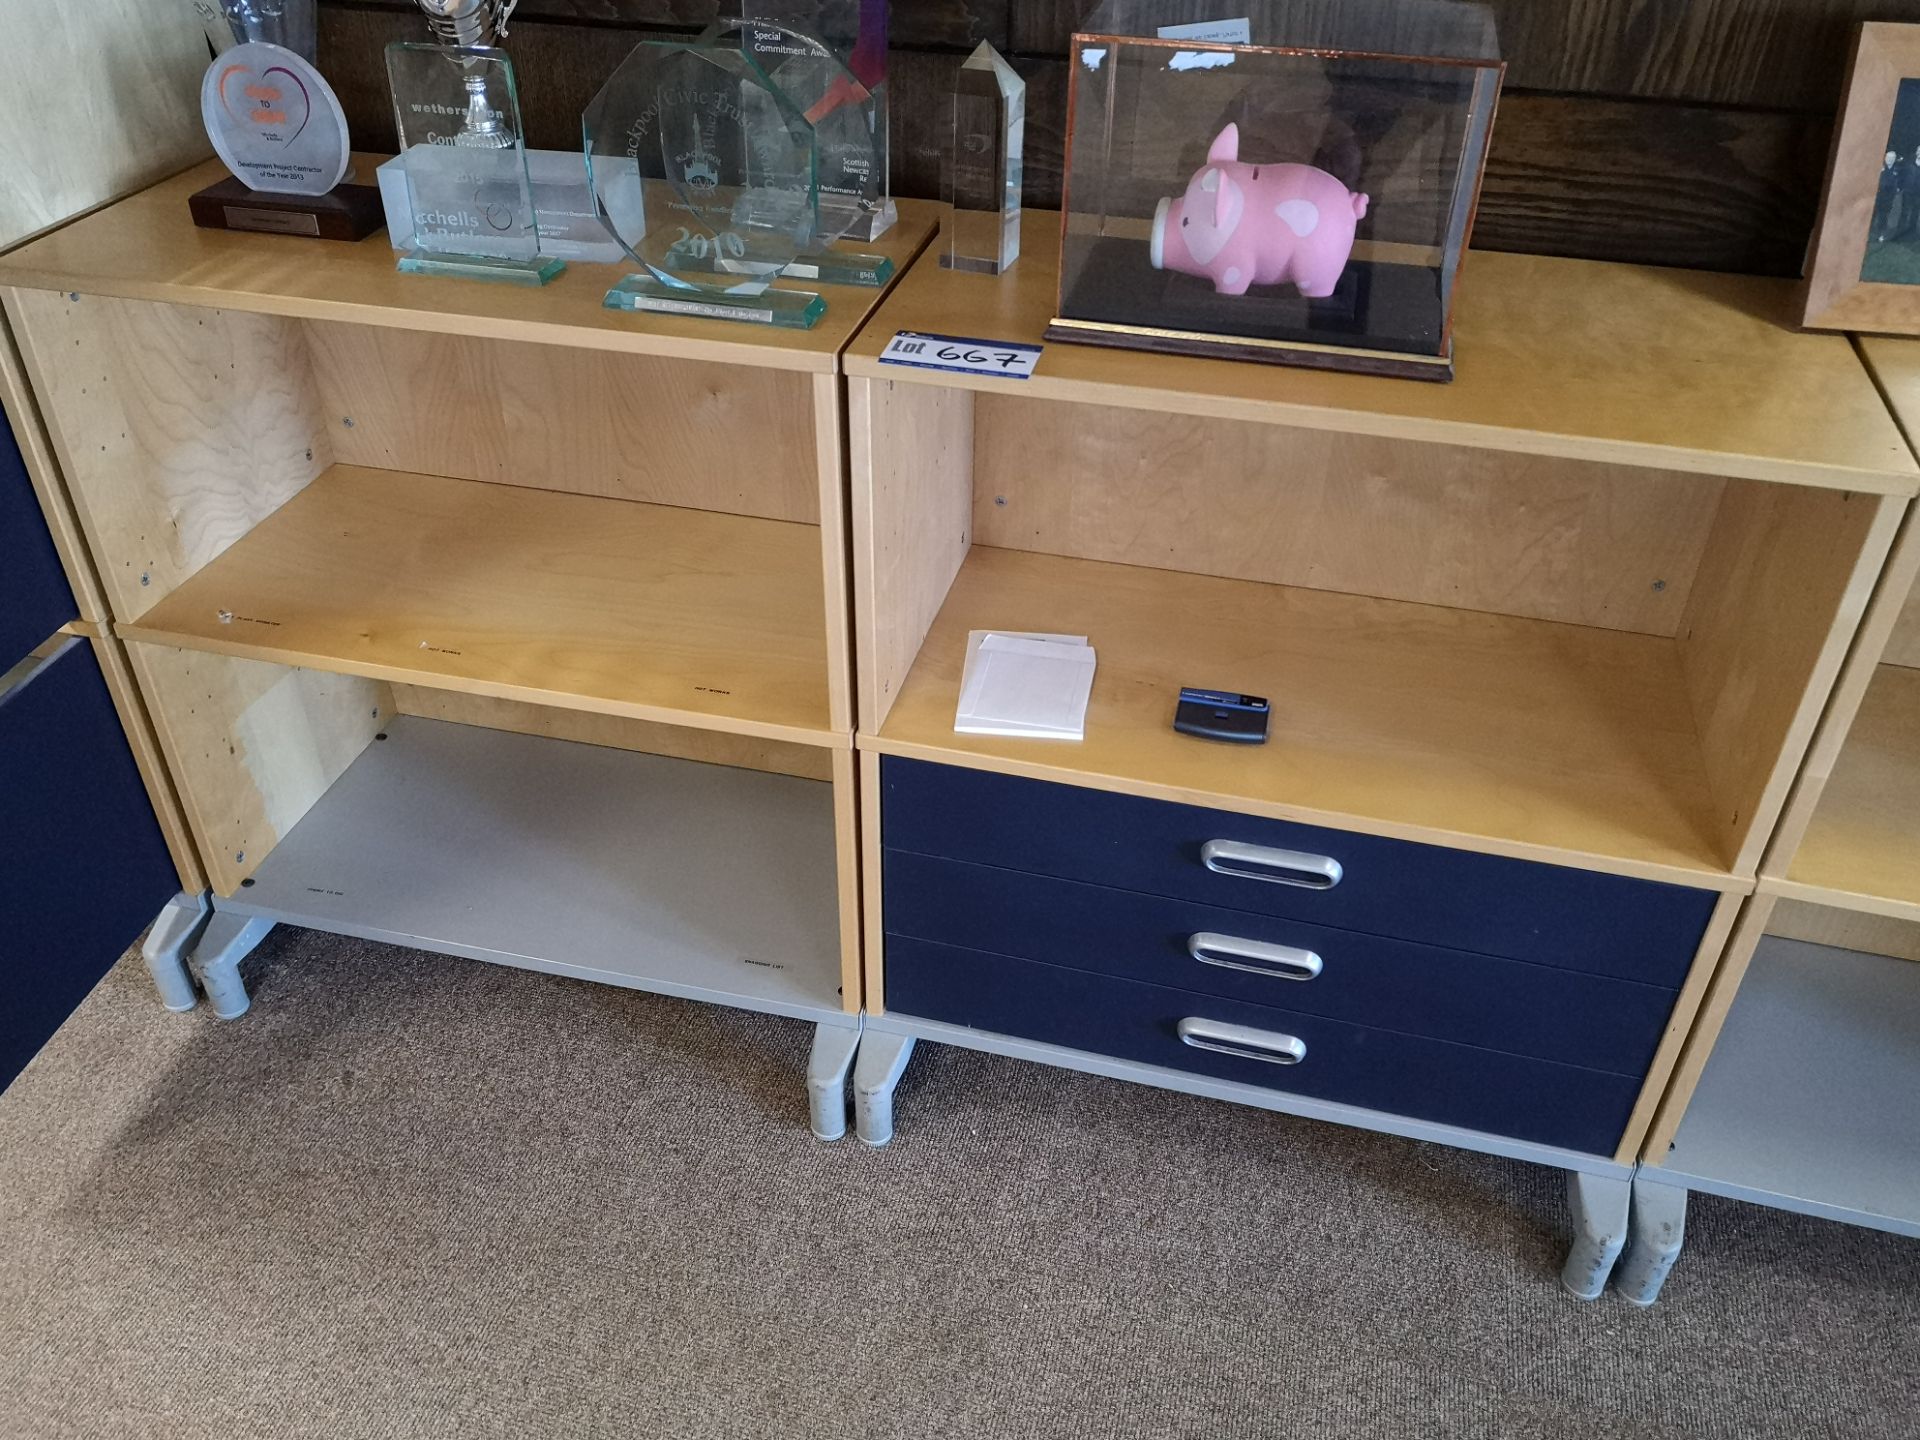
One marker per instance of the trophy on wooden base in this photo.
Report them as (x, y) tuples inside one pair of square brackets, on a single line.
[(279, 128)]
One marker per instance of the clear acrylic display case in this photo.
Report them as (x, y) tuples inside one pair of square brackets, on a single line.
[(1295, 186)]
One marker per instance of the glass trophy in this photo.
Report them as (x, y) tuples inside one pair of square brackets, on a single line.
[(277, 125), (704, 171), (984, 170), (469, 195), (809, 74), (835, 53)]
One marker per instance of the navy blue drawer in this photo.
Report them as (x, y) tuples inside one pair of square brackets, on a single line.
[(1423, 1079), (1460, 899), (83, 861), (34, 598), (1509, 1005)]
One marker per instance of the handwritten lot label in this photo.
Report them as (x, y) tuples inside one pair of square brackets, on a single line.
[(955, 352)]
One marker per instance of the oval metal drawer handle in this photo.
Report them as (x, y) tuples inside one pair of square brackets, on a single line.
[(1242, 1040), (1277, 867), (1257, 957)]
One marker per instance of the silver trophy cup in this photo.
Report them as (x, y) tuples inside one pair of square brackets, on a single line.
[(466, 24)]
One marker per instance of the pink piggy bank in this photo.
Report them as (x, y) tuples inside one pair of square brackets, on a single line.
[(1241, 225)]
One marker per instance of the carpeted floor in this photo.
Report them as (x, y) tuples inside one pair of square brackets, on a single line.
[(414, 1196)]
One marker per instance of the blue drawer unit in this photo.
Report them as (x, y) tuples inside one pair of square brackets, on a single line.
[(84, 865), (1509, 1005), (34, 598), (1554, 915), (1436, 1080)]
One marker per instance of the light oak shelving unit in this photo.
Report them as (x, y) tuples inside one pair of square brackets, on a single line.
[(17, 405), (1584, 606), (1797, 1085), (582, 572)]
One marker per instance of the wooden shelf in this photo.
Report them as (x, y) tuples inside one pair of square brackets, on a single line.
[(1807, 1100), (147, 248), (690, 617), (1862, 847), (1517, 737), (578, 860), (1671, 369)]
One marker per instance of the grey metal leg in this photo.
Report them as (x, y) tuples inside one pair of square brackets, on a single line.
[(1600, 1204), (1655, 1234), (173, 934), (883, 1059), (827, 1070), (227, 940)]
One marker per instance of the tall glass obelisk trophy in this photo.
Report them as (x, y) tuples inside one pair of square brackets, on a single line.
[(279, 128), (457, 111)]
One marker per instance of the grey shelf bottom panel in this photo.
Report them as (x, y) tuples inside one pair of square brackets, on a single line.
[(1087, 1061), (1811, 1099), (668, 875)]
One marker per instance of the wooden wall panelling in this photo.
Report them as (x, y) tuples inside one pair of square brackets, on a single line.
[(1665, 180), (696, 434), (616, 732), (161, 791), (913, 23), (1722, 52), (1886, 620), (178, 429), (1652, 183), (912, 466), (1786, 579), (1604, 545), (252, 745), (1673, 1041)]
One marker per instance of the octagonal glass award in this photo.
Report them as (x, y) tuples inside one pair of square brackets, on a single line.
[(471, 201), (704, 171)]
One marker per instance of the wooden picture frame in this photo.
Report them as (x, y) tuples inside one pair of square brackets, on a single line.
[(1880, 112)]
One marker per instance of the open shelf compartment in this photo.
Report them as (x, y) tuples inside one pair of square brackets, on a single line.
[(1862, 846), (685, 616), (1605, 654), (1807, 1101), (703, 881), (1417, 719)]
